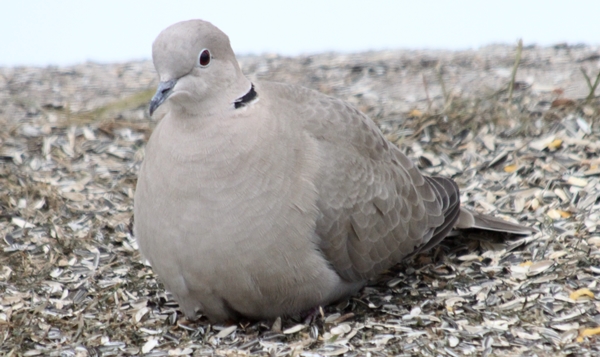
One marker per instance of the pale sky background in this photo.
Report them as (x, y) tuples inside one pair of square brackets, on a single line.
[(39, 32)]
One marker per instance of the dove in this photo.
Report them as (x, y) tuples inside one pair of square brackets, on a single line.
[(258, 199)]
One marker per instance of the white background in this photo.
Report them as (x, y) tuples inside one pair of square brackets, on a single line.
[(37, 32)]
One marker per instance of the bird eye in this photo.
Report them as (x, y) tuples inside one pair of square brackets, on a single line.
[(204, 58)]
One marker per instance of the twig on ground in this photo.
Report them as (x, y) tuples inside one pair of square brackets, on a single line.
[(429, 103), (591, 86), (511, 86), (440, 73)]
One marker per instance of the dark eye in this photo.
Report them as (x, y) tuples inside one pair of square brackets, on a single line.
[(204, 58)]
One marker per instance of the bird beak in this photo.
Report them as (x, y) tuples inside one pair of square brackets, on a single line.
[(162, 93)]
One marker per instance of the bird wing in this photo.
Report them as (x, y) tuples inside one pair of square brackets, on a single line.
[(375, 206)]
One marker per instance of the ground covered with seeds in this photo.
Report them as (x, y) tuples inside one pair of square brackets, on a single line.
[(525, 148)]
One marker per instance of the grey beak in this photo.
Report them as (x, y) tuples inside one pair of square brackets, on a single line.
[(162, 93)]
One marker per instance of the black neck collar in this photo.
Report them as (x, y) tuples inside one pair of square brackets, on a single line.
[(247, 98)]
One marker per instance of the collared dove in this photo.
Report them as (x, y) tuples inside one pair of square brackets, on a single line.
[(257, 200)]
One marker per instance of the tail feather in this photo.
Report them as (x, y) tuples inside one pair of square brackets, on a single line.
[(468, 219)]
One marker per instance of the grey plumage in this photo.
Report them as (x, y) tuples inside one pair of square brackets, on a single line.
[(270, 203)]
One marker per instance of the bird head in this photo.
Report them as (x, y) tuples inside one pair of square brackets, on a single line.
[(197, 68)]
